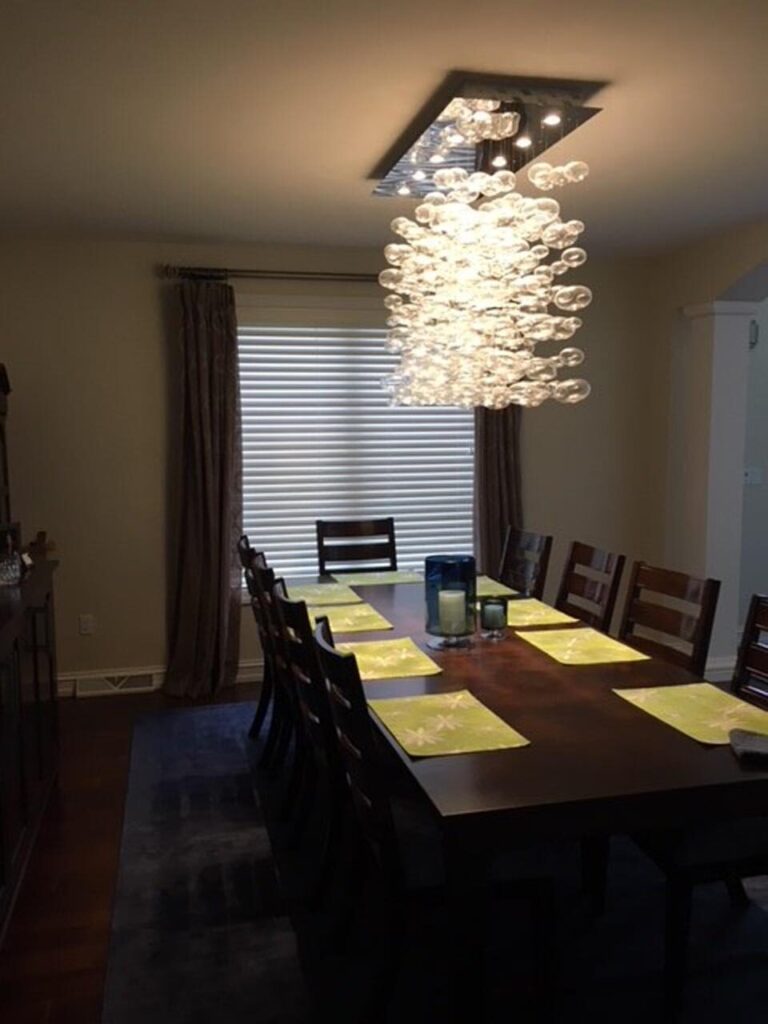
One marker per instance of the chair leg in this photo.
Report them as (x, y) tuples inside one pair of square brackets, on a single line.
[(678, 920), (595, 852), (265, 698), (737, 892), (388, 966), (544, 909)]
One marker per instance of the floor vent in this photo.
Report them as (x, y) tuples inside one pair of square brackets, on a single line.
[(101, 686)]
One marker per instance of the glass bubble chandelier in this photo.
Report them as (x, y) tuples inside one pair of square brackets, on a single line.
[(477, 278)]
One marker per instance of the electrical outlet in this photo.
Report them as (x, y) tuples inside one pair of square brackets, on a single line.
[(87, 624)]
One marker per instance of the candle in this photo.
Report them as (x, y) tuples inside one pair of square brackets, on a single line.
[(493, 615), (452, 612)]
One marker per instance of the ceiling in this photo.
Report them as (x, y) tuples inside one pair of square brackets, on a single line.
[(258, 121)]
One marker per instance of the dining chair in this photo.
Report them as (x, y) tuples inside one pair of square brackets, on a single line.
[(351, 545), (729, 851), (590, 584), (261, 581), (245, 551), (524, 561), (317, 768), (669, 615), (750, 679), (406, 856), (251, 559)]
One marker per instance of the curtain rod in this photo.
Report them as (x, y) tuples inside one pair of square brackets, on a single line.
[(224, 273)]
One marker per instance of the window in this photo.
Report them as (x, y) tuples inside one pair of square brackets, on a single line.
[(320, 441)]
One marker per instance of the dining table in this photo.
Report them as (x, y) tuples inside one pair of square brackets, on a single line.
[(595, 765)]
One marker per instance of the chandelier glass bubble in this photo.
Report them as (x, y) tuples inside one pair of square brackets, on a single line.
[(482, 310), (477, 286)]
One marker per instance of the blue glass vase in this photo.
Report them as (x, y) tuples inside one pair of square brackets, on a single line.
[(450, 592)]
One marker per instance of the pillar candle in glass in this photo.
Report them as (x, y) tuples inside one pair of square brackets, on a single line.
[(449, 582)]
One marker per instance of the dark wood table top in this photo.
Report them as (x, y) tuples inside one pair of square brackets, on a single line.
[(595, 763)]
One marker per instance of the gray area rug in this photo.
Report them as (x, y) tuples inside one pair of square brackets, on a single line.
[(199, 932)]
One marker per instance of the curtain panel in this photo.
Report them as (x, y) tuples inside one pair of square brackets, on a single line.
[(498, 491), (205, 590)]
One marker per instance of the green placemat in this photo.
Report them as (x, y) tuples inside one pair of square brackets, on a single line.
[(700, 710), (583, 646), (530, 612), (445, 723), (370, 579), (391, 659), (350, 618), (486, 587), (323, 593)]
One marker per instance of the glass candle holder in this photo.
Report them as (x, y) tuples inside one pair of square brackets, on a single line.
[(493, 618), (449, 582)]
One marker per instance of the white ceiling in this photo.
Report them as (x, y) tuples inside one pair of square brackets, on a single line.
[(258, 121)]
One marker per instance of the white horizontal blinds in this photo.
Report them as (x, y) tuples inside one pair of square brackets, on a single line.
[(320, 441)]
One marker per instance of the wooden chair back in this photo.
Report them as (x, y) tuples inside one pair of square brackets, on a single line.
[(260, 581), (751, 676), (357, 750), (356, 544), (524, 561), (304, 665), (249, 554), (669, 615), (590, 584)]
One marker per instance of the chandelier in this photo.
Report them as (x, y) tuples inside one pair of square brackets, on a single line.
[(476, 279)]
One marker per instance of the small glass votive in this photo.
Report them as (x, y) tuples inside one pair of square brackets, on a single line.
[(493, 618)]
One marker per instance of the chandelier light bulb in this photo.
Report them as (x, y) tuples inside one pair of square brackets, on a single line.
[(403, 191), (419, 175), (552, 119), (499, 161), (523, 142)]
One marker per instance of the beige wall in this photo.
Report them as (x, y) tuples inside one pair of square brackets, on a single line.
[(589, 470), (92, 371), (754, 541), (93, 375)]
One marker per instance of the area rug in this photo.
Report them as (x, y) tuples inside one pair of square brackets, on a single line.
[(201, 933), (199, 930)]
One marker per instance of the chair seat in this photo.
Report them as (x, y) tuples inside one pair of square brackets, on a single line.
[(743, 841)]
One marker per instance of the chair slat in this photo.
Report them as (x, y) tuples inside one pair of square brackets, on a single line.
[(382, 550), (665, 620), (578, 583), (673, 584), (655, 649), (524, 561), (750, 677), (593, 558), (587, 588), (356, 552), (693, 627)]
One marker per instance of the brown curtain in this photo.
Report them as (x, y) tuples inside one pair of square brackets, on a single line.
[(204, 599), (498, 500)]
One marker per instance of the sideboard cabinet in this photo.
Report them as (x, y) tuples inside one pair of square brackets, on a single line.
[(28, 721)]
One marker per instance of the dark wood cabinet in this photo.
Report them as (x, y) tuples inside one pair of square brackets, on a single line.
[(28, 721)]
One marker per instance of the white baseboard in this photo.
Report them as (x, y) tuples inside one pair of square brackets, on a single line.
[(720, 670), (139, 679)]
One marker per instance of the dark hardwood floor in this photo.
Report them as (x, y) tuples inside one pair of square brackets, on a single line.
[(54, 957)]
